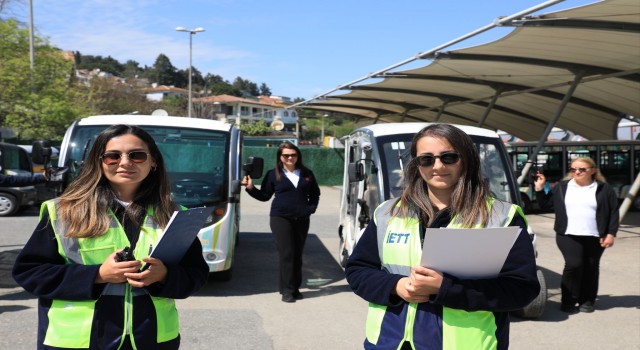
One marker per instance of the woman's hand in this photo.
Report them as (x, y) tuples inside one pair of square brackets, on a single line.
[(246, 181), (156, 272), (112, 271), (607, 242), (541, 180), (422, 283)]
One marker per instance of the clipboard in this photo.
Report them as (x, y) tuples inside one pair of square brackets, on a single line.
[(182, 229), (468, 253)]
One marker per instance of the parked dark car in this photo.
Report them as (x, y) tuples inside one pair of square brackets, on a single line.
[(15, 161)]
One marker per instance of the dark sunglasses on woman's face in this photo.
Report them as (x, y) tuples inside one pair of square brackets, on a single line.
[(111, 158), (446, 158), (287, 156), (582, 170)]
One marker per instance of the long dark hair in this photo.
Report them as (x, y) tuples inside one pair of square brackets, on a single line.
[(84, 204), (470, 195), (299, 162)]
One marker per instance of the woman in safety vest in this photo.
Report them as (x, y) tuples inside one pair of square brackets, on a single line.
[(414, 307), (92, 294)]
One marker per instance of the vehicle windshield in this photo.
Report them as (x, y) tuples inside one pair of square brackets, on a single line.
[(14, 161), (395, 151), (196, 160)]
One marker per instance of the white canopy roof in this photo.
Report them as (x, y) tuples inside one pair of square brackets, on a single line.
[(527, 73)]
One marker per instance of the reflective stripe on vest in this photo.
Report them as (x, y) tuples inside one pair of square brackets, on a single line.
[(70, 321), (399, 248)]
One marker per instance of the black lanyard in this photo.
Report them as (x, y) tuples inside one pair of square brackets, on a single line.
[(423, 231), (130, 225)]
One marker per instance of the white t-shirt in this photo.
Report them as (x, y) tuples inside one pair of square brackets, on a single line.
[(581, 205), (294, 176)]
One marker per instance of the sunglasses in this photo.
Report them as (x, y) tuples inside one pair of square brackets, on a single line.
[(446, 158), (287, 156), (111, 158), (582, 170)]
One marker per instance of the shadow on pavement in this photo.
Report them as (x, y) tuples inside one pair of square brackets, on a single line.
[(256, 269), (7, 258)]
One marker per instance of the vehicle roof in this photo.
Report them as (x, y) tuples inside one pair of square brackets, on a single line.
[(412, 128), (129, 119)]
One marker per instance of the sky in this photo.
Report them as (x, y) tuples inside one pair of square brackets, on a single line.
[(298, 48)]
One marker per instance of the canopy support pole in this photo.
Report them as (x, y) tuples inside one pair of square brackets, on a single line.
[(534, 156), (628, 199), (489, 108), (441, 111)]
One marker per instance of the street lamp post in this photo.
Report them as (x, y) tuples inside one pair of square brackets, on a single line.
[(191, 32)]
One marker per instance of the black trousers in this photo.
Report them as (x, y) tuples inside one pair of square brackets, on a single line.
[(581, 268), (290, 235)]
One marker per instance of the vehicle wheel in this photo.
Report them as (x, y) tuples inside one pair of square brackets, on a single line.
[(343, 255), (8, 204), (536, 307), (223, 276)]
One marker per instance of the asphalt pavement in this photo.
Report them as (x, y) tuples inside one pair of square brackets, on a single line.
[(246, 312)]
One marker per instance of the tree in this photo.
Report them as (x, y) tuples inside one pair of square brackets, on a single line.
[(38, 102), (104, 64), (264, 90), (182, 79), (259, 128), (162, 72), (216, 85), (246, 86), (131, 69)]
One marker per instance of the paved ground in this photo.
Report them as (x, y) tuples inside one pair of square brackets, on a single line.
[(246, 313)]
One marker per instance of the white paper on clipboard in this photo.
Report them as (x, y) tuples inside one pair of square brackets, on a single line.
[(468, 253)]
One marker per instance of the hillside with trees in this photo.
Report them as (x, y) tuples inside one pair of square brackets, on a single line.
[(43, 100)]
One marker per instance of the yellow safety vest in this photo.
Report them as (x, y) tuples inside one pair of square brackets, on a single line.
[(70, 321), (461, 329)]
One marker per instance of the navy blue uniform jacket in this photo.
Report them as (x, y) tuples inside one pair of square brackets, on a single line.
[(289, 202), (607, 214), (514, 288), (41, 271)]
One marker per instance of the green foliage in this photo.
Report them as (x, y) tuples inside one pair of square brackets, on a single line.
[(105, 64), (36, 102), (259, 128), (264, 90), (163, 72), (246, 86), (42, 102), (333, 126)]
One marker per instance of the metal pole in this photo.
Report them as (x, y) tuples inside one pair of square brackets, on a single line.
[(31, 51), (628, 199), (489, 108), (190, 54), (534, 156)]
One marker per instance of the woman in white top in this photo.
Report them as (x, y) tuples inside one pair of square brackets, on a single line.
[(586, 223)]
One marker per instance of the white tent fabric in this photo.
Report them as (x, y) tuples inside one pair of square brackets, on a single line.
[(527, 73)]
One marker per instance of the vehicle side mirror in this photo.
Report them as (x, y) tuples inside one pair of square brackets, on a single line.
[(356, 172), (41, 151), (253, 167)]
